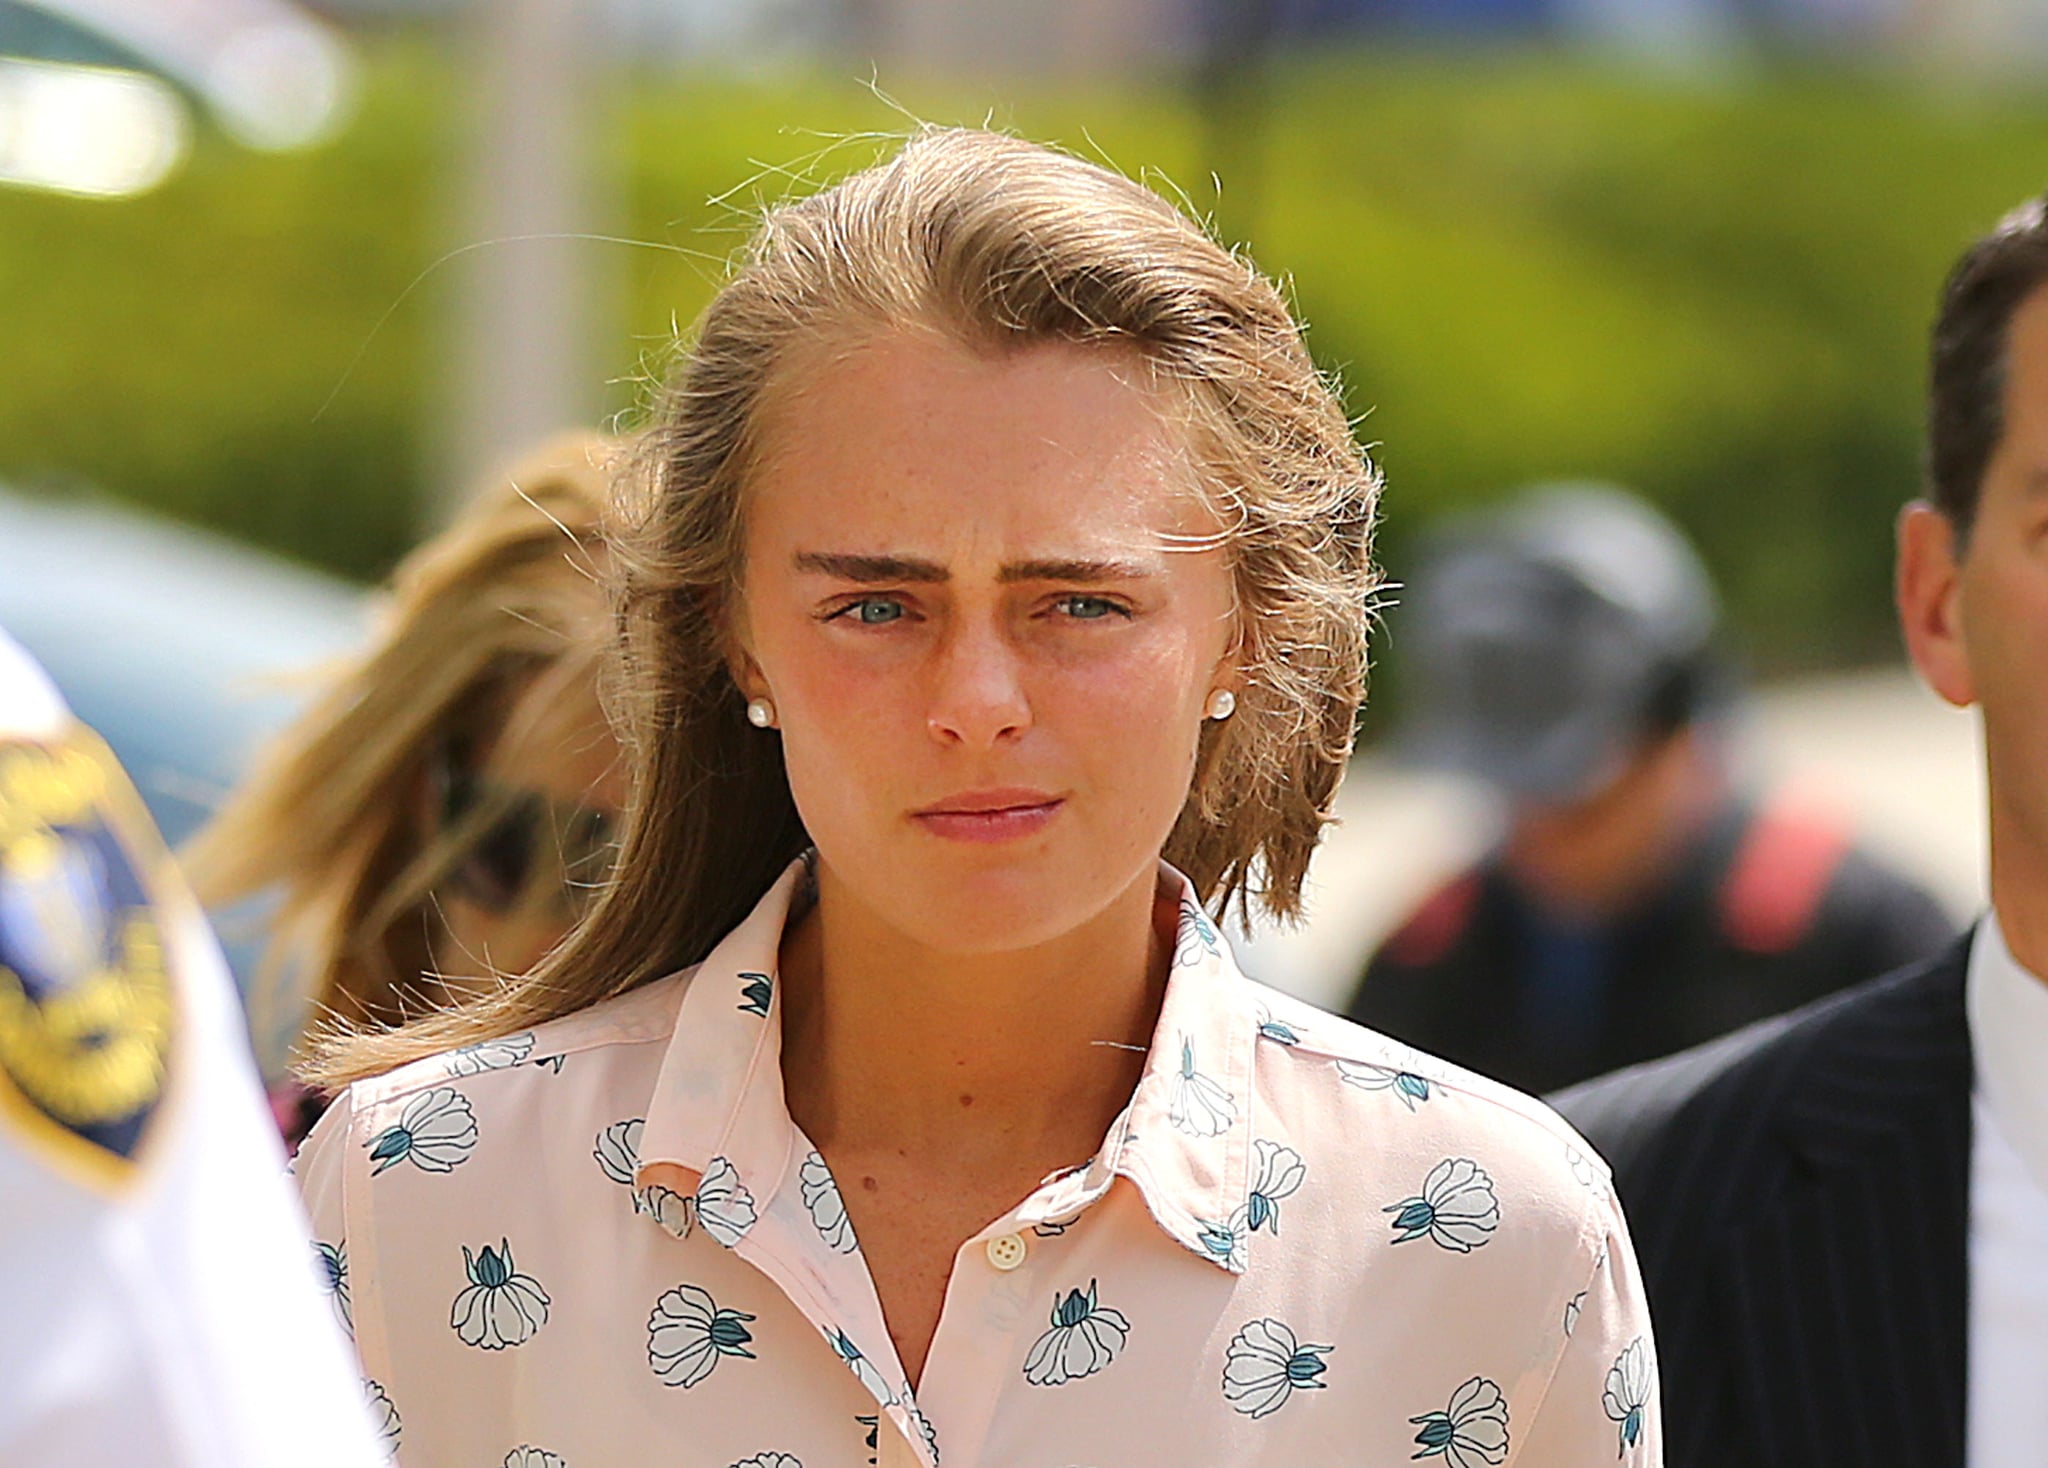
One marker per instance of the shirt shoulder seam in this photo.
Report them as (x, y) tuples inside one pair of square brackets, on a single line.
[(429, 1071), (1527, 1111)]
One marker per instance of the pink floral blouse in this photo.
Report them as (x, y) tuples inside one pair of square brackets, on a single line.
[(604, 1244)]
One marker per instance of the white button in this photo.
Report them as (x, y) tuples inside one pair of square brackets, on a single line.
[(1006, 1252)]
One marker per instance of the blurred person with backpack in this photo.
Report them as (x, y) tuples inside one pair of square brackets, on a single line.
[(1642, 899)]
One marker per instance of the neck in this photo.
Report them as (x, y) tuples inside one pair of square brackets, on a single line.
[(2019, 889), (889, 1043)]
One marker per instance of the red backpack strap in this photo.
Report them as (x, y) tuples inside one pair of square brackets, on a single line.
[(1782, 870)]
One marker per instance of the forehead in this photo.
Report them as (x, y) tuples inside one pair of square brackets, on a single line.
[(2026, 368), (2019, 465), (911, 440)]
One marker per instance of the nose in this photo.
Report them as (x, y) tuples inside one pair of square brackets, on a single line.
[(977, 693)]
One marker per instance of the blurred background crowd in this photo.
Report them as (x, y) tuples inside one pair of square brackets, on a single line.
[(287, 285)]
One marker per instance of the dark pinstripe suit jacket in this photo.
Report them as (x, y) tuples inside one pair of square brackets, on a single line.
[(1799, 1197)]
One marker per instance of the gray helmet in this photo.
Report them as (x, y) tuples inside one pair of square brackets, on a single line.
[(1539, 642)]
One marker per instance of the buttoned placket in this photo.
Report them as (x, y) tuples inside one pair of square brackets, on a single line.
[(995, 1296), (989, 1301)]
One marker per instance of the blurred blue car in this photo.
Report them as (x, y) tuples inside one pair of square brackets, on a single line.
[(184, 650)]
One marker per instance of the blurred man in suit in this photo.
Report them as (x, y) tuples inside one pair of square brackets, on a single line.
[(1843, 1214), (1643, 898)]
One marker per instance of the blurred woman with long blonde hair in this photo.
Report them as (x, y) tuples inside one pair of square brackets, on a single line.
[(444, 808)]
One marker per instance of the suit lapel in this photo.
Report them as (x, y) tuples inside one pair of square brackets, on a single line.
[(1849, 1291)]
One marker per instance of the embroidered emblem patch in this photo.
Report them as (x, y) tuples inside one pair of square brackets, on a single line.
[(86, 1002)]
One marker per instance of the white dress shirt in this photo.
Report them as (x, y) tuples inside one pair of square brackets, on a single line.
[(2008, 1366)]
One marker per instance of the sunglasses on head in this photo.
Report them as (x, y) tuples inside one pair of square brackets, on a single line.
[(509, 841)]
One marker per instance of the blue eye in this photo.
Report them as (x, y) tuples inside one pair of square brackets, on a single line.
[(877, 611), (1087, 608)]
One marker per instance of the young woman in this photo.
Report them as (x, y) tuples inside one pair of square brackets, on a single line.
[(998, 612), (445, 806)]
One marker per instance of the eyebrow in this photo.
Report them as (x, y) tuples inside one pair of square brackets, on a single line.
[(910, 570)]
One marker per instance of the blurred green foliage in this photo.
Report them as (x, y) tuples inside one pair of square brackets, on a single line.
[(1523, 265)]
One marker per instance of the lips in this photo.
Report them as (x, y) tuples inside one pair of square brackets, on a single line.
[(990, 815)]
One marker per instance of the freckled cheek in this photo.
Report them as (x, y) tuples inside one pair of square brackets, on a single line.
[(848, 728), (1131, 723)]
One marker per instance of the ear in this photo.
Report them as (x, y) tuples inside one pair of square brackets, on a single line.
[(1928, 590), (740, 664), (746, 674), (1229, 671)]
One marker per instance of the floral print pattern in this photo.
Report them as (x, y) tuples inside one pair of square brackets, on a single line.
[(1085, 1337), (1471, 1432), (688, 1335), (1244, 1143), (923, 1425), (1279, 1031), (862, 1368), (724, 1206), (675, 1212), (435, 1132), (1197, 939), (755, 992), (1224, 1241), (1407, 1087), (1278, 1174), (500, 1307), (472, 1060), (1572, 1309), (820, 1193), (331, 1262), (1266, 1365), (1631, 1386), (618, 1150), (1200, 1106), (1457, 1208), (383, 1417)]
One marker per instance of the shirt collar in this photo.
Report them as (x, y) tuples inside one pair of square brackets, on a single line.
[(719, 1091), (1184, 1140), (2008, 1016)]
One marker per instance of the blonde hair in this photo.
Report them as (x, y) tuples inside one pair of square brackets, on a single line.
[(331, 817), (999, 244)]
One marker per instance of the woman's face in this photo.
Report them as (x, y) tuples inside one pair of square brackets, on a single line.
[(989, 612), (551, 788)]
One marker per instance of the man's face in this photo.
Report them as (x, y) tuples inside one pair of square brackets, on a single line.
[(1976, 615)]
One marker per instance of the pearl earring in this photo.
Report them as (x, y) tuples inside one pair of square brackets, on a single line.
[(1222, 704), (761, 713)]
